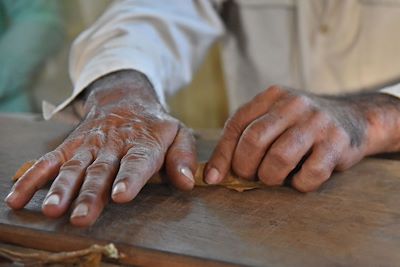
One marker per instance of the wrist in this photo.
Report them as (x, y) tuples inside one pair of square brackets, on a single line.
[(121, 88), (382, 117)]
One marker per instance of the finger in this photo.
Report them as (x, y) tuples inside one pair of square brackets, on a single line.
[(67, 184), (181, 160), (257, 138), (69, 180), (137, 166), (95, 190), (288, 151), (220, 160), (44, 170), (318, 167)]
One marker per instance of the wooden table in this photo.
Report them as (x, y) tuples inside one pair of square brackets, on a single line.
[(354, 220)]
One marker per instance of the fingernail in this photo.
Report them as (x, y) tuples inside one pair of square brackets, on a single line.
[(187, 173), (212, 176), (119, 188), (11, 196), (53, 199), (80, 211)]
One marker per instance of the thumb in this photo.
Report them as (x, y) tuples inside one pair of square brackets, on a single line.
[(181, 160)]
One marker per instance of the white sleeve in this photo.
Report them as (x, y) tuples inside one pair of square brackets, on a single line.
[(393, 90), (165, 40)]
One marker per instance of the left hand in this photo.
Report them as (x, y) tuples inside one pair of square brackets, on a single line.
[(125, 138), (280, 128)]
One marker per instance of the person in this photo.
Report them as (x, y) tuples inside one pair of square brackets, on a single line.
[(23, 27), (139, 51)]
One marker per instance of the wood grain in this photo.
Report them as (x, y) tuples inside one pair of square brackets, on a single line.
[(354, 220)]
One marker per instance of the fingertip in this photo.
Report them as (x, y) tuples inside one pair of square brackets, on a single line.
[(181, 160), (120, 193), (13, 200), (181, 175), (82, 217), (119, 188), (219, 164), (213, 176), (187, 178), (301, 185), (51, 206)]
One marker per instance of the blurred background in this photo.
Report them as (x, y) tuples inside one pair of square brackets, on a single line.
[(34, 45)]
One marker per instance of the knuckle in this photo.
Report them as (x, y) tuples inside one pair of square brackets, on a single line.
[(93, 187), (149, 142), (188, 135), (280, 157), (133, 156), (87, 153), (333, 156), (300, 101), (276, 89), (20, 185), (50, 158), (183, 147), (242, 171), (339, 135), (317, 172), (96, 138), (232, 125), (141, 153), (61, 183), (182, 154), (253, 136), (73, 165), (331, 151), (100, 167), (88, 196), (270, 176), (297, 136), (43, 162), (320, 116)]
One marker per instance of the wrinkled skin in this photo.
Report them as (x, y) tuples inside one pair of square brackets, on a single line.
[(121, 143), (280, 128), (127, 136)]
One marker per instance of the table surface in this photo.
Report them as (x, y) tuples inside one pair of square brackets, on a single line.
[(353, 220)]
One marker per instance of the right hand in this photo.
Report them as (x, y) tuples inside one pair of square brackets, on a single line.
[(124, 139)]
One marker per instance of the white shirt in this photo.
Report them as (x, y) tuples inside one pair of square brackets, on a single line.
[(322, 46)]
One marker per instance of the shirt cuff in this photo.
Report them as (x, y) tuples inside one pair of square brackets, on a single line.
[(393, 90), (99, 67)]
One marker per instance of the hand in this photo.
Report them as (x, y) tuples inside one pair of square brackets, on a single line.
[(121, 143), (281, 129)]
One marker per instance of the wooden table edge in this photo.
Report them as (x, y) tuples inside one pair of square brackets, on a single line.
[(137, 256)]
